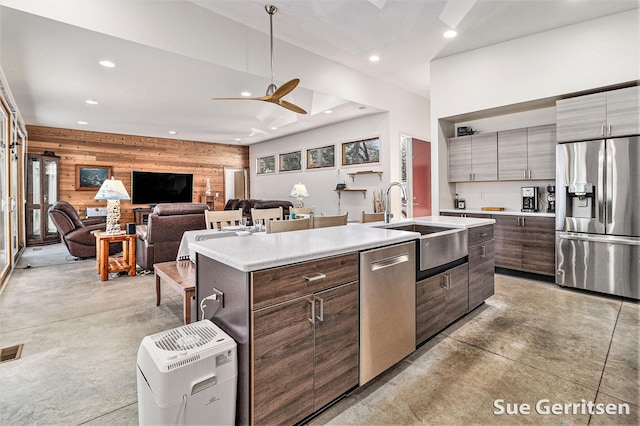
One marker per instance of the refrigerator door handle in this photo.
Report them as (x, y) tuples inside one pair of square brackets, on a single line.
[(600, 196), (608, 205), (613, 239)]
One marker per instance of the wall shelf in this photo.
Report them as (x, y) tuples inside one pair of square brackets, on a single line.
[(352, 175)]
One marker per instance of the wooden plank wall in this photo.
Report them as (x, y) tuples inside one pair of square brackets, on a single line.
[(125, 153)]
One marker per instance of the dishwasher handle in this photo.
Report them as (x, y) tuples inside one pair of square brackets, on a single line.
[(389, 261)]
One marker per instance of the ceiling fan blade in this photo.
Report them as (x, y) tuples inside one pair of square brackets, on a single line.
[(290, 106), (261, 98), (285, 88)]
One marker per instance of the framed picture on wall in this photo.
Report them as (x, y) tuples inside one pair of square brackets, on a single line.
[(290, 161), (266, 164), (90, 178), (324, 156), (360, 152)]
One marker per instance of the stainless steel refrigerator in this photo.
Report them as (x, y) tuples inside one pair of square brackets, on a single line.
[(598, 216)]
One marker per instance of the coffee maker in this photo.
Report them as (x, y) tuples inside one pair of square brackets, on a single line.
[(529, 199), (551, 198)]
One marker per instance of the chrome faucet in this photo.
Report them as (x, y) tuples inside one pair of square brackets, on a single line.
[(387, 209)]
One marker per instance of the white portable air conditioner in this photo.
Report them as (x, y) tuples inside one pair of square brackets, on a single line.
[(187, 375)]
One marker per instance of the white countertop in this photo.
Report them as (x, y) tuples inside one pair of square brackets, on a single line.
[(506, 212), (261, 251)]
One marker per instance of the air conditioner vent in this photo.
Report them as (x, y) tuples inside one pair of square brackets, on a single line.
[(186, 337)]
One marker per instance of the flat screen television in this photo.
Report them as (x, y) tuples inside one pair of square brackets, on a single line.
[(155, 188)]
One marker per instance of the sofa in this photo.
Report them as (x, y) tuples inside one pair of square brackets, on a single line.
[(76, 233), (159, 240), (247, 204)]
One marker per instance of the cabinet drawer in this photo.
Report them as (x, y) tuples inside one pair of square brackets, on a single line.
[(480, 234), (286, 282)]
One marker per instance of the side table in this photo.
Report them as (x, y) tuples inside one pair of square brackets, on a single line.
[(106, 264)]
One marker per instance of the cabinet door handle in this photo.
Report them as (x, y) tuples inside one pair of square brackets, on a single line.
[(524, 173), (603, 130), (321, 316), (316, 277), (443, 281), (484, 251), (523, 222), (312, 320), (529, 173), (446, 281), (610, 129), (470, 176)]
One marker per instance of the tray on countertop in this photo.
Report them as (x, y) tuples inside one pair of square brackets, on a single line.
[(492, 209)]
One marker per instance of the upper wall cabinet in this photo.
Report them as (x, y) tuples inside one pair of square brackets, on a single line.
[(473, 158), (529, 153), (608, 114)]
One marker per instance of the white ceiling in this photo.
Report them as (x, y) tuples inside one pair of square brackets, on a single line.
[(173, 56)]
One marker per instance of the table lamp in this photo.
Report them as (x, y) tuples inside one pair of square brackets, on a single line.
[(299, 191), (113, 191)]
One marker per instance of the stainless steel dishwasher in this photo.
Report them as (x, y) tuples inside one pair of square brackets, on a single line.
[(387, 307)]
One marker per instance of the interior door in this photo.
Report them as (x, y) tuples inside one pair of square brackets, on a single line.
[(421, 182)]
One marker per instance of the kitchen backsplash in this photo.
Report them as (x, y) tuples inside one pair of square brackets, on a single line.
[(505, 194)]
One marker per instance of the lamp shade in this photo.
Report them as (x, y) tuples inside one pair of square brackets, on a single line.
[(299, 191), (112, 189)]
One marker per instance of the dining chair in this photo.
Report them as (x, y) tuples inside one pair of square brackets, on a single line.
[(326, 221), (274, 226), (220, 218), (266, 214), (372, 217), (302, 210)]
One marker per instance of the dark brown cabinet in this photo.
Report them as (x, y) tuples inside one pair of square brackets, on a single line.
[(525, 243), (305, 348), (440, 300), (42, 193), (481, 265)]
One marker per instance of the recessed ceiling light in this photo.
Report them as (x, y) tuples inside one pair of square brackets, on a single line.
[(274, 128), (450, 34), (91, 102), (173, 132), (245, 94), (374, 58), (328, 111), (82, 122), (107, 64)]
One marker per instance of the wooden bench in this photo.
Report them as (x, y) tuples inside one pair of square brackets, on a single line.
[(181, 275)]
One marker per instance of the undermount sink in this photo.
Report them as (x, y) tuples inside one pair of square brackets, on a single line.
[(422, 229)]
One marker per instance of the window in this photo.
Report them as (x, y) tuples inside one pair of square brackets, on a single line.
[(290, 161), (266, 164), (321, 157), (359, 152)]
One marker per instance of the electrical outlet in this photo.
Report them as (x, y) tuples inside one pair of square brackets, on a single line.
[(482, 195)]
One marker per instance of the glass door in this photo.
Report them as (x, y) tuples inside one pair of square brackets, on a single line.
[(4, 216), (42, 193), (15, 194)]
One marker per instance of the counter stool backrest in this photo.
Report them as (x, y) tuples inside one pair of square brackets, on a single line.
[(326, 221), (218, 219), (266, 214), (274, 226), (372, 217)]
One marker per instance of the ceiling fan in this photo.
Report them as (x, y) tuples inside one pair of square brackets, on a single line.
[(274, 94)]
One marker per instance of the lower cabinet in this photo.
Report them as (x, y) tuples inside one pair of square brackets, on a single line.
[(440, 300), (525, 243), (481, 264), (305, 354)]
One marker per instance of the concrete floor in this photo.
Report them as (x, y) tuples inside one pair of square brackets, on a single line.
[(531, 341)]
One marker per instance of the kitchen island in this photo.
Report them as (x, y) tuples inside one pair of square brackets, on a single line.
[(292, 303)]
